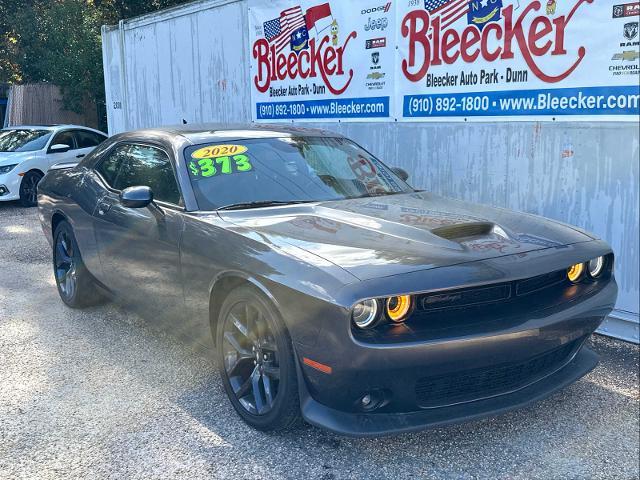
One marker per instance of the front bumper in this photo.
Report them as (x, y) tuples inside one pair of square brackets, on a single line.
[(10, 186), (377, 424), (472, 374)]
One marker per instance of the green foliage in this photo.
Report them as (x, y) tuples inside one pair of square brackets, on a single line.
[(58, 41)]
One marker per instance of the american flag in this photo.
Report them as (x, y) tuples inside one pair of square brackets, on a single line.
[(279, 30), (449, 11)]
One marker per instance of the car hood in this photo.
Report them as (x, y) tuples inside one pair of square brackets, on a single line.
[(9, 158), (382, 236)]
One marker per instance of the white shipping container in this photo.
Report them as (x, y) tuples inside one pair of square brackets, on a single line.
[(191, 63)]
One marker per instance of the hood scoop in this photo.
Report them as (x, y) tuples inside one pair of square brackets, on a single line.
[(465, 230)]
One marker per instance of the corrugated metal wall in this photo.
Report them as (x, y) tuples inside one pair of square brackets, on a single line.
[(191, 63)]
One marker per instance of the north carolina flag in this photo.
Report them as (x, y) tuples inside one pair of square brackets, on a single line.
[(318, 17)]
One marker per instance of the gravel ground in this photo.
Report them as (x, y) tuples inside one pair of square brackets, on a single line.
[(102, 393)]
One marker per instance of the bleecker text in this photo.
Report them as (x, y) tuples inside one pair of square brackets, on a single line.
[(544, 36), (322, 58)]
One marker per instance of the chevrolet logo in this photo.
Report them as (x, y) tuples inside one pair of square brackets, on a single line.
[(630, 55)]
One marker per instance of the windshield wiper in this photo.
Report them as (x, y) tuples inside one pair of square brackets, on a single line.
[(263, 203)]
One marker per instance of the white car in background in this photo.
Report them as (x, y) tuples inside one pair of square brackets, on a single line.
[(28, 152)]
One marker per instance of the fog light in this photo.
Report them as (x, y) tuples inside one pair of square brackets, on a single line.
[(398, 307), (373, 400), (595, 267), (574, 272), (3, 190)]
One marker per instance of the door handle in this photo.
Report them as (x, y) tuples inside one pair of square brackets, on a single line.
[(103, 207), (80, 155)]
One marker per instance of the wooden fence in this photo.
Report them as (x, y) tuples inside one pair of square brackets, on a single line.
[(41, 104)]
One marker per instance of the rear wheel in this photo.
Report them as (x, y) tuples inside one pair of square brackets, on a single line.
[(76, 285), (29, 189), (256, 361)]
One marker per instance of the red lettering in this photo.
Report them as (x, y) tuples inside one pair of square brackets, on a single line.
[(536, 34), (323, 74), (281, 67), (272, 50), (435, 29), (292, 64), (450, 39), (410, 29), (329, 56), (261, 54), (486, 54), (469, 37), (517, 32), (428, 45), (322, 59), (304, 55)]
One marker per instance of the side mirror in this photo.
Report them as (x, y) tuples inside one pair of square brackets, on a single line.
[(59, 148), (401, 172), (136, 197)]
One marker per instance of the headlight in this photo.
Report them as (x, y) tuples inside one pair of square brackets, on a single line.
[(365, 313), (596, 267), (7, 168), (398, 307), (574, 272)]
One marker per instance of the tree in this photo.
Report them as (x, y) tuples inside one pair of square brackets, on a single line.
[(59, 42)]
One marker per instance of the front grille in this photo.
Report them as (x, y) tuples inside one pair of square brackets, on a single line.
[(489, 381), (487, 294), (463, 298)]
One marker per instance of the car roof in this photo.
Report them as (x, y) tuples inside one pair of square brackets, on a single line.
[(52, 127), (213, 132)]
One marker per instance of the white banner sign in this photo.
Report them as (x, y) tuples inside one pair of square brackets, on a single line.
[(517, 58), (421, 60), (321, 61)]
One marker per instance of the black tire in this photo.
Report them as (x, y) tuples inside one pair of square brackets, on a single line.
[(29, 189), (76, 286), (262, 356)]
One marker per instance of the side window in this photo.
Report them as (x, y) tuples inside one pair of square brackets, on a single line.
[(65, 138), (151, 167), (109, 167), (87, 139)]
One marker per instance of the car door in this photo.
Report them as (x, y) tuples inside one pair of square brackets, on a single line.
[(139, 247), (86, 141), (64, 137)]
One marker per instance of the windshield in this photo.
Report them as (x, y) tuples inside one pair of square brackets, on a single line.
[(23, 140), (291, 169)]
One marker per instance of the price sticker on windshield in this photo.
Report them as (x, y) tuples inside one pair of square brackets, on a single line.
[(211, 167), (215, 151)]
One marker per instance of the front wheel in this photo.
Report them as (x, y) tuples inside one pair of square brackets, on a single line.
[(256, 361), (29, 189), (76, 285)]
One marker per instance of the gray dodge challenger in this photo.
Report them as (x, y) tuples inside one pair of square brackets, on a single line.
[(331, 290)]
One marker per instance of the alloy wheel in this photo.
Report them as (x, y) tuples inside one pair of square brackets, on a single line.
[(30, 188), (66, 274), (251, 358)]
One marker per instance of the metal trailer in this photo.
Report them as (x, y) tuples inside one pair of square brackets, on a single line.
[(190, 63)]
